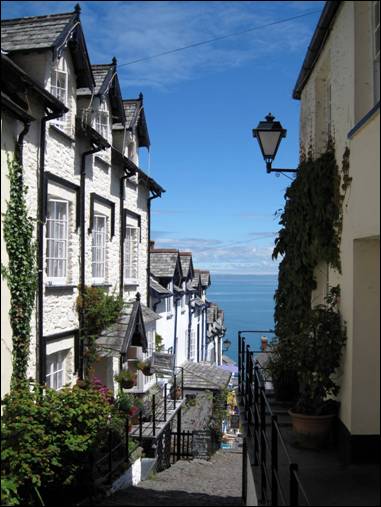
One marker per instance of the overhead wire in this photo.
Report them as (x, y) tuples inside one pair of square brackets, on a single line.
[(222, 37)]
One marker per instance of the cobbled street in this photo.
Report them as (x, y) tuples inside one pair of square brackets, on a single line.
[(198, 482)]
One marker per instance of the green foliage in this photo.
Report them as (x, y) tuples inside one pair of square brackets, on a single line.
[(310, 235), (21, 272), (159, 346), (125, 377), (47, 436), (98, 310), (219, 412), (317, 352)]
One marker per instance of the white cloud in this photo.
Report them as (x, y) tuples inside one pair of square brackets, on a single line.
[(239, 257), (143, 29)]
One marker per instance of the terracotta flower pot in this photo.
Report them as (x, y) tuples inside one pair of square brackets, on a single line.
[(312, 430)]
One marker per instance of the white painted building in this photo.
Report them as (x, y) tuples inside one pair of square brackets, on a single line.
[(91, 201)]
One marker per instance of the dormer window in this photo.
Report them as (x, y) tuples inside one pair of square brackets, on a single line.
[(59, 87), (101, 121)]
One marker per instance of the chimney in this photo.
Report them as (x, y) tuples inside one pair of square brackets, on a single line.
[(263, 343), (151, 245)]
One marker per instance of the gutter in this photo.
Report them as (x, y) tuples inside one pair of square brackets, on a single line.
[(316, 46)]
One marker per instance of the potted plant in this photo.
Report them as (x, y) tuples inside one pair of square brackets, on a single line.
[(124, 402), (126, 379), (317, 352), (144, 367), (135, 410)]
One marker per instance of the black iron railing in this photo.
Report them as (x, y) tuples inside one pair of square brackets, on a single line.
[(280, 482)]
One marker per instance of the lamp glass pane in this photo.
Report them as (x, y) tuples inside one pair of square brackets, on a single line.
[(269, 141)]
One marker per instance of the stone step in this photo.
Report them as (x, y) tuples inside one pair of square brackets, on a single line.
[(148, 465)]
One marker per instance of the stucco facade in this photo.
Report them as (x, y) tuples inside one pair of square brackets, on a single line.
[(341, 96)]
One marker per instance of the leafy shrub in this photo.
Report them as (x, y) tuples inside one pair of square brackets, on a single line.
[(47, 437)]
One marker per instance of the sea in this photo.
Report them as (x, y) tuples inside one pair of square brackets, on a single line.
[(248, 304)]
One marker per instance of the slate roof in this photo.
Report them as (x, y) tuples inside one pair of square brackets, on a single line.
[(99, 72), (205, 278), (159, 289), (34, 32), (186, 263), (204, 376), (149, 315), (127, 330), (195, 280), (163, 262), (135, 118)]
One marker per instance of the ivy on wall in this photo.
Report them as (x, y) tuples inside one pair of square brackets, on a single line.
[(311, 232), (99, 311), (21, 272)]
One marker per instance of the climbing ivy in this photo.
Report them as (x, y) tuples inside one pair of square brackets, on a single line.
[(311, 229), (21, 272), (99, 310)]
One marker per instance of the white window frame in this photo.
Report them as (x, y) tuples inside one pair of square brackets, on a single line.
[(61, 93), (131, 249), (50, 278), (57, 369), (99, 250), (169, 306), (101, 121)]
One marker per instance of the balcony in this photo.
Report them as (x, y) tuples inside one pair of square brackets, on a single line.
[(285, 474)]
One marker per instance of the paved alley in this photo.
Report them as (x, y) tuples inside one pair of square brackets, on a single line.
[(197, 482)]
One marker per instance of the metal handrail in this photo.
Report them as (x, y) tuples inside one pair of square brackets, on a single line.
[(256, 406)]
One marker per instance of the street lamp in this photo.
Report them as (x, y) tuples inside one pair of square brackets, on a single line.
[(269, 134)]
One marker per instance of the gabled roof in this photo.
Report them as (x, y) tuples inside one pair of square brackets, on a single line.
[(127, 330), (164, 263), (187, 264), (135, 118), (149, 315), (204, 376), (158, 290), (205, 278), (196, 280), (107, 82), (55, 32)]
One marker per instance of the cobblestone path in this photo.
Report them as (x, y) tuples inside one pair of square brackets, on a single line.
[(198, 482)]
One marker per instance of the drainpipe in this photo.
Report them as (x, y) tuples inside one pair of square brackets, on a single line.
[(190, 313), (19, 143), (149, 247), (121, 220), (175, 331), (82, 250), (40, 248)]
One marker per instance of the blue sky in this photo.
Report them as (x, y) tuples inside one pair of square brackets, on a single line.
[(201, 105)]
